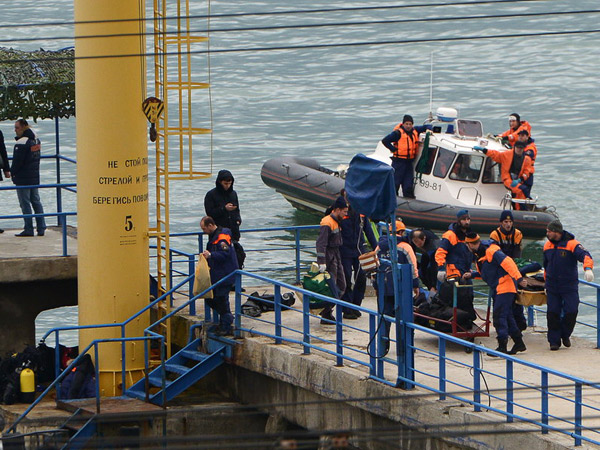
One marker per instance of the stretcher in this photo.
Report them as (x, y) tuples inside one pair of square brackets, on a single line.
[(454, 325)]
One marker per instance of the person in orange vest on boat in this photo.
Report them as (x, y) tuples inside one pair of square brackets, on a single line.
[(453, 252), (502, 275), (515, 170), (329, 258), (530, 147), (515, 125), (403, 142), (529, 150), (561, 253)]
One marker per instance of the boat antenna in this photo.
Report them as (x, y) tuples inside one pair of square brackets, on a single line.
[(431, 89)]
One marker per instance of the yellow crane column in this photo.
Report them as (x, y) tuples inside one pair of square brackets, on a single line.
[(112, 179)]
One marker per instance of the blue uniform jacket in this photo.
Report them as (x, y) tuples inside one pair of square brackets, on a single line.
[(454, 251), (25, 168), (223, 259), (560, 263), (353, 241)]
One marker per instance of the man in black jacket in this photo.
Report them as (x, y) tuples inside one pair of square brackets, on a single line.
[(3, 162), (25, 171), (221, 203)]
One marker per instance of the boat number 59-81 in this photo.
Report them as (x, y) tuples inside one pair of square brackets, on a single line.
[(427, 185)]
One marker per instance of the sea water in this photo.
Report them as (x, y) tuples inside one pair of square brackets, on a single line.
[(332, 102)]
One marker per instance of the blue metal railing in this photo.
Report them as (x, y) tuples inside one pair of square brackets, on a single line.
[(567, 389), (60, 215), (408, 375)]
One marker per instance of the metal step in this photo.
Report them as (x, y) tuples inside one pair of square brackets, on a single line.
[(177, 368), (193, 355)]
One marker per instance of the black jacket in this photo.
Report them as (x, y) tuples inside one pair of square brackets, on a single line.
[(25, 167), (3, 156), (215, 201)]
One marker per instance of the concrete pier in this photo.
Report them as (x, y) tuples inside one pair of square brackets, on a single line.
[(34, 277)]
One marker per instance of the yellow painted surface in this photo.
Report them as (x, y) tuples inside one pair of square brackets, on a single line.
[(112, 178)]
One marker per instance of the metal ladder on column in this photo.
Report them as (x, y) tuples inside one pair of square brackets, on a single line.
[(176, 128)]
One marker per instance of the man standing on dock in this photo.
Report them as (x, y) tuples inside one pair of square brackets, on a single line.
[(561, 253), (501, 274), (453, 251), (222, 260), (3, 162), (25, 171), (329, 259)]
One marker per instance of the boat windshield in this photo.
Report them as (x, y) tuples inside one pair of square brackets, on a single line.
[(491, 172), (467, 168), (443, 163), (471, 128)]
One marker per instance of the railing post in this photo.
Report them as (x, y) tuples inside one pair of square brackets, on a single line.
[(59, 217), (509, 391), (237, 315), (192, 270), (530, 316), (442, 367), (306, 324), (123, 361), (64, 235), (544, 387), (97, 366), (381, 318), (372, 344), (297, 239), (476, 380), (405, 338), (170, 268), (578, 416), (57, 362), (339, 349), (277, 306)]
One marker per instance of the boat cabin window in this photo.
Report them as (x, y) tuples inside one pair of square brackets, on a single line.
[(471, 128), (430, 158), (491, 172), (467, 168), (443, 163)]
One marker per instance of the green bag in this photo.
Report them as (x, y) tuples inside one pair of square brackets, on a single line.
[(317, 282)]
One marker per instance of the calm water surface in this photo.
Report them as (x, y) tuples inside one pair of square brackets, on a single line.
[(331, 103)]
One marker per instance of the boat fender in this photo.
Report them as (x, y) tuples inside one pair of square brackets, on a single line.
[(27, 381)]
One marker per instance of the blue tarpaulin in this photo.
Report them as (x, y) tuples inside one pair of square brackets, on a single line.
[(370, 187)]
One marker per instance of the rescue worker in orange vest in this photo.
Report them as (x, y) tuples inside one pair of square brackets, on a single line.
[(515, 125), (561, 253), (509, 240), (507, 236), (329, 259), (453, 252), (515, 170), (529, 150), (403, 142), (502, 275), (530, 147)]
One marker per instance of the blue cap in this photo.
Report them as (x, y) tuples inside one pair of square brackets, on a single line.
[(506, 213), (462, 213)]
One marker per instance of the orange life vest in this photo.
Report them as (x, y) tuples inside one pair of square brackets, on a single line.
[(511, 134), (406, 147)]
